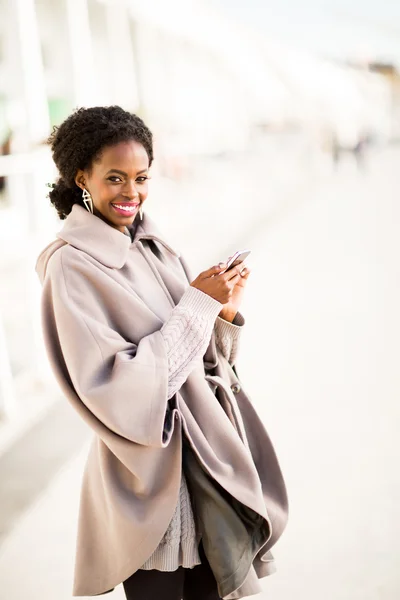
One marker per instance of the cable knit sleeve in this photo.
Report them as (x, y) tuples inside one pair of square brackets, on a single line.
[(227, 336), (187, 334)]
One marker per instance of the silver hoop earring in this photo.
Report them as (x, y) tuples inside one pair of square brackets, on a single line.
[(141, 213), (87, 200)]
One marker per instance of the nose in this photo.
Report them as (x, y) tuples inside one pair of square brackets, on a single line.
[(130, 191)]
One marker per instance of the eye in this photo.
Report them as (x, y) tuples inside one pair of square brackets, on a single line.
[(115, 179), (142, 179)]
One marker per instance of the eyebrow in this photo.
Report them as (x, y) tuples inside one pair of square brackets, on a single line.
[(123, 172)]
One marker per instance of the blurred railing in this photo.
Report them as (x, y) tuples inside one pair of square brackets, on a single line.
[(25, 223)]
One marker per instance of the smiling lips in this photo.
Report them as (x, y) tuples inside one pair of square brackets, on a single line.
[(126, 208)]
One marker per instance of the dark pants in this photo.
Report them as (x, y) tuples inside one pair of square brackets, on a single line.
[(184, 584)]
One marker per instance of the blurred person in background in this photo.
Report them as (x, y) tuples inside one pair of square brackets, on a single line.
[(182, 495), (349, 140), (5, 150)]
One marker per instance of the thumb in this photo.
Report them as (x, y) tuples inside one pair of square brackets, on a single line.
[(214, 270)]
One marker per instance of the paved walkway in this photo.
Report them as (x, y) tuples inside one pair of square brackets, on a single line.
[(320, 358)]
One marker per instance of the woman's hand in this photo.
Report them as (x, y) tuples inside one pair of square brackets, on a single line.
[(222, 286), (228, 312)]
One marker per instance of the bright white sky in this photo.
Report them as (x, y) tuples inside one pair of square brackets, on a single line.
[(365, 29)]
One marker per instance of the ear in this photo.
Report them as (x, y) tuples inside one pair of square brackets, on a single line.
[(80, 179)]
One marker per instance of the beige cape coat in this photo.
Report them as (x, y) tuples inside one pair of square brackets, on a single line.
[(104, 301)]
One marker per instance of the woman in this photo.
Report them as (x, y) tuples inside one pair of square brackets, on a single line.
[(146, 355)]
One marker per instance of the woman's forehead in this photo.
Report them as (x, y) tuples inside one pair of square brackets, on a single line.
[(126, 156)]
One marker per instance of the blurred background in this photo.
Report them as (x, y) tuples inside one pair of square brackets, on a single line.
[(277, 128)]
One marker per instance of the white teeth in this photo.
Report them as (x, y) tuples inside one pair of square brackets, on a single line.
[(126, 208)]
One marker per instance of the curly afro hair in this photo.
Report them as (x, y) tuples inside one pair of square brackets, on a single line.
[(79, 140)]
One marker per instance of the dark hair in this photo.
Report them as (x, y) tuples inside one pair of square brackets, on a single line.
[(79, 140)]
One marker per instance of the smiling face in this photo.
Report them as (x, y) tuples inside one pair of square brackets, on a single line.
[(117, 182)]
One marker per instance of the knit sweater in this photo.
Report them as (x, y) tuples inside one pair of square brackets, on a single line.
[(187, 334)]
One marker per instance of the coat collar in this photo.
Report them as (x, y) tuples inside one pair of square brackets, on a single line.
[(92, 235)]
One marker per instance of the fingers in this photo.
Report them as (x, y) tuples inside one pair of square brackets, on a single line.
[(242, 275), (234, 281), (239, 271), (233, 272), (213, 270)]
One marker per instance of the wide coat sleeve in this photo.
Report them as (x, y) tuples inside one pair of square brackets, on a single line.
[(123, 384)]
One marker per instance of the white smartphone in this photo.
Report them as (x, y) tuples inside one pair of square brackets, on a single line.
[(236, 259)]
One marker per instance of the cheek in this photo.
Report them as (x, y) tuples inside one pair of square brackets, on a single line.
[(143, 191), (108, 191), (100, 190)]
